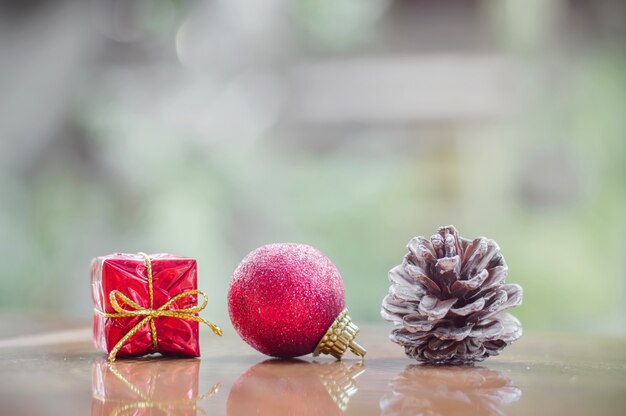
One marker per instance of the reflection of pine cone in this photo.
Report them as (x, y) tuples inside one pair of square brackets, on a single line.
[(447, 299), (423, 390)]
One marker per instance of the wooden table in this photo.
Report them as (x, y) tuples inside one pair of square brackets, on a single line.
[(49, 367)]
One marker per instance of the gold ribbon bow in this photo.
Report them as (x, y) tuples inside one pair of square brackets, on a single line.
[(149, 314)]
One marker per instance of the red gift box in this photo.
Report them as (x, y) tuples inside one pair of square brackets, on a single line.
[(132, 321), (146, 387)]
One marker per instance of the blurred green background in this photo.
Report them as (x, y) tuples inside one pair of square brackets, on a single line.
[(209, 128)]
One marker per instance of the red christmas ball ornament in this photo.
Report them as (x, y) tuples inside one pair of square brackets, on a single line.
[(288, 300)]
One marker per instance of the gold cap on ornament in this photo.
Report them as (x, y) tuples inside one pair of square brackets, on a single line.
[(339, 337)]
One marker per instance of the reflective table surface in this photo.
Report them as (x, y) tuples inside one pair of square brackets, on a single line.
[(49, 367)]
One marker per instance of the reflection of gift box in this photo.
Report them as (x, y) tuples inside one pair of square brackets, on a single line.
[(118, 277), (145, 387)]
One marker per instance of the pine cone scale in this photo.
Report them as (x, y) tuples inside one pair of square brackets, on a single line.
[(415, 323), (427, 283), (496, 276), (434, 308), (477, 305), (398, 308), (404, 293), (464, 286)]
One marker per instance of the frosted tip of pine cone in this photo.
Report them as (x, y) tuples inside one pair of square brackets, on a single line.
[(448, 297)]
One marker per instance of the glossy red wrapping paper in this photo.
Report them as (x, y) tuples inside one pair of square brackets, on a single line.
[(144, 387), (126, 273)]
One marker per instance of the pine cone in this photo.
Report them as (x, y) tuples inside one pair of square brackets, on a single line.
[(447, 300)]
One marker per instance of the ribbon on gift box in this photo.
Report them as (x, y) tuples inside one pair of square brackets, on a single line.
[(190, 314)]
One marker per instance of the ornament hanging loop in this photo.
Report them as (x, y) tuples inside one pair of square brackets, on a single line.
[(357, 349)]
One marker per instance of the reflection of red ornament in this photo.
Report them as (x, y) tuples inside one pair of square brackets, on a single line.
[(288, 300), (276, 387)]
